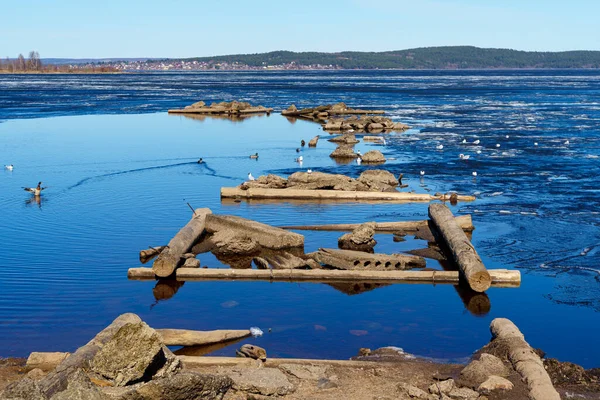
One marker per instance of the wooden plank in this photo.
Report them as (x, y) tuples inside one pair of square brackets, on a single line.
[(184, 337)]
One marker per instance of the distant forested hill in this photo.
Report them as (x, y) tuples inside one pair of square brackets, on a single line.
[(456, 57)]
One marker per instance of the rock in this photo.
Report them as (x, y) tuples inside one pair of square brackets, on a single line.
[(463, 394), (305, 372), (24, 389), (323, 181), (227, 243), (339, 107), (361, 238), (412, 391), (344, 151), (478, 371), (399, 126), (373, 157), (252, 351), (262, 381), (333, 126), (185, 386), (45, 360), (442, 387), (191, 263), (292, 108), (379, 180), (374, 127), (272, 181), (198, 104), (79, 387), (345, 139), (495, 382), (36, 374), (562, 373), (134, 354), (313, 142), (325, 384)]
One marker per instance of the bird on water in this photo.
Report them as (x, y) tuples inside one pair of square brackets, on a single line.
[(299, 159), (36, 191), (9, 167), (439, 146), (302, 143), (250, 177), (200, 161), (255, 155)]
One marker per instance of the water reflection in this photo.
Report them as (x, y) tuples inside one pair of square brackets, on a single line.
[(34, 200), (232, 118), (207, 349), (165, 289)]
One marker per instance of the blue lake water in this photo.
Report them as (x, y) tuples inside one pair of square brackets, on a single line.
[(119, 172)]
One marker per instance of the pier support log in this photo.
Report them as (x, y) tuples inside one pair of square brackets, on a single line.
[(146, 255), (171, 257), (524, 360), (183, 337), (463, 252), (358, 260)]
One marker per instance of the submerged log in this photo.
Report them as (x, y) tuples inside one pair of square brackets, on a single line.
[(299, 194), (171, 257), (358, 260), (464, 221), (500, 277), (148, 254), (183, 337), (524, 360), (463, 252)]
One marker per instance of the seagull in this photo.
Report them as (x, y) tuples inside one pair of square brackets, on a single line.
[(497, 144), (200, 161), (567, 142), (464, 141), (309, 171), (9, 167), (255, 155), (474, 173), (535, 143), (350, 130), (358, 160), (422, 173), (477, 141), (383, 142), (299, 159), (250, 177), (507, 136), (439, 146), (478, 151), (36, 190), (464, 156)]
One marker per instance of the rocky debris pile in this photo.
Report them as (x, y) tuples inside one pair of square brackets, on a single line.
[(360, 239), (373, 157), (324, 112), (365, 123), (233, 108), (345, 139), (374, 180)]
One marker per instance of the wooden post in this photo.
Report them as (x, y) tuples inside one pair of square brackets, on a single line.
[(170, 258), (183, 337), (463, 252)]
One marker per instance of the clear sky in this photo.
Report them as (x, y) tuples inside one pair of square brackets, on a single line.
[(188, 28)]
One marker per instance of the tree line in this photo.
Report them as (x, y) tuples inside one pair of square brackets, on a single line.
[(34, 64), (20, 64)]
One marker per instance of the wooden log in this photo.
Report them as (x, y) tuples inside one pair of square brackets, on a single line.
[(184, 337), (206, 349), (464, 221), (57, 380), (171, 258), (524, 360), (500, 277), (361, 261), (148, 254), (463, 252), (299, 194)]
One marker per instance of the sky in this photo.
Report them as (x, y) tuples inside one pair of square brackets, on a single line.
[(196, 28)]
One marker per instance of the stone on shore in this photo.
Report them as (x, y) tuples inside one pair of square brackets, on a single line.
[(305, 372), (191, 263), (443, 387), (478, 371), (494, 383), (360, 239), (80, 387), (23, 389), (183, 386), (373, 157), (261, 381), (45, 361), (252, 351), (412, 392), (323, 181)]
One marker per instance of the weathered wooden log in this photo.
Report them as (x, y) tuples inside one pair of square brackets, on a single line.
[(463, 252), (319, 195), (500, 277), (148, 254), (220, 110), (45, 360), (358, 260), (524, 360), (171, 257), (206, 349), (184, 337), (57, 380), (464, 221), (192, 361)]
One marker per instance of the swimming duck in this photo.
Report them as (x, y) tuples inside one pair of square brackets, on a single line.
[(298, 150), (302, 143), (464, 156), (9, 167), (36, 191), (535, 143), (478, 151), (250, 177), (200, 161), (507, 136), (255, 155)]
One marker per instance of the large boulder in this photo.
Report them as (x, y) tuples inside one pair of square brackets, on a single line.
[(80, 387), (134, 354), (24, 389), (373, 157), (379, 180), (323, 181), (361, 238), (261, 381), (344, 151), (230, 243)]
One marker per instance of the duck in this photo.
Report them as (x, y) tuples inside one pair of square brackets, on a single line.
[(297, 149), (302, 143), (9, 167), (250, 177), (535, 143), (477, 141), (36, 191), (200, 161), (255, 155), (439, 146)]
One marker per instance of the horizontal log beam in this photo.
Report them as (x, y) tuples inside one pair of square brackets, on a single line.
[(500, 277), (196, 361), (400, 197), (184, 337), (464, 221)]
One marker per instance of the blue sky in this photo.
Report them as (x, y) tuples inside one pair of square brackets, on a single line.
[(187, 28)]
